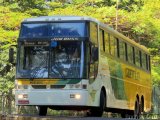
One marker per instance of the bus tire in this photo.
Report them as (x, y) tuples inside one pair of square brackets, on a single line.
[(124, 115), (136, 110), (98, 112), (141, 106), (42, 110)]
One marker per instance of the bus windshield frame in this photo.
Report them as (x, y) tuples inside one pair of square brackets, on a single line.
[(32, 41), (59, 60), (53, 29)]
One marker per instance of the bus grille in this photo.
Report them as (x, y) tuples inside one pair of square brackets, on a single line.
[(39, 86), (57, 86)]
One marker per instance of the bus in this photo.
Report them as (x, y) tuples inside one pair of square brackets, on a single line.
[(79, 63)]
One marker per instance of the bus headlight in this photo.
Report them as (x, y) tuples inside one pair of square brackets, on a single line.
[(22, 96), (77, 96)]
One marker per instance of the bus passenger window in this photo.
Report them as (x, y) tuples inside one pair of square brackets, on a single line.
[(122, 50), (102, 42), (112, 45), (144, 61), (130, 54), (118, 51), (106, 39), (137, 57), (140, 55), (149, 65), (126, 52), (94, 33), (134, 61)]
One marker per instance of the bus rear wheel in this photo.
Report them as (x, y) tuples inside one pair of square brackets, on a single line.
[(141, 107), (136, 110), (98, 112), (42, 110)]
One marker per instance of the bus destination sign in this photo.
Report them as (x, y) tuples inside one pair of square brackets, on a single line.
[(64, 38), (36, 43)]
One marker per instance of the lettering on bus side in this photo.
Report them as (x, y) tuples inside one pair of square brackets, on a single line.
[(132, 74), (65, 38)]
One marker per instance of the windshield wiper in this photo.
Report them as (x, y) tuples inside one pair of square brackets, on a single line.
[(33, 73), (61, 74)]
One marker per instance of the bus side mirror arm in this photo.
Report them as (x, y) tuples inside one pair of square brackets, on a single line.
[(11, 55), (95, 54)]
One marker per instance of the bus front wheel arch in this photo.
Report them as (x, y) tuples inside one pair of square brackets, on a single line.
[(98, 111)]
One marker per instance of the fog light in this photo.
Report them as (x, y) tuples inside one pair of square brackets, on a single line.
[(77, 96)]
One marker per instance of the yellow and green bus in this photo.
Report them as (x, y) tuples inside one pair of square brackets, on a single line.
[(79, 63)]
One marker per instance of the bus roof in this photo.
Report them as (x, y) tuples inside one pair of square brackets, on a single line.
[(85, 18), (59, 18)]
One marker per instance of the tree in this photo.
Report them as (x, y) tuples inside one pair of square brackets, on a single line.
[(31, 4)]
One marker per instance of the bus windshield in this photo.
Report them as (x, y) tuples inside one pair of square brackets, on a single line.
[(63, 59), (38, 30)]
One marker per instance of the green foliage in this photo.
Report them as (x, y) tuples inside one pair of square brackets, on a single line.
[(7, 73), (37, 12), (78, 1), (54, 5), (156, 76), (9, 30), (28, 4)]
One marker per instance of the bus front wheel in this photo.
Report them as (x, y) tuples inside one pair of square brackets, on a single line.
[(42, 110), (98, 111)]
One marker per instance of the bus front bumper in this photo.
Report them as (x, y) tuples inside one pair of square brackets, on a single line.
[(52, 97)]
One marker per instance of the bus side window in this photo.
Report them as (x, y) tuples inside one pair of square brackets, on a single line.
[(130, 54), (118, 50), (102, 42), (106, 39), (122, 50), (137, 57), (94, 33), (140, 55), (126, 51), (112, 45), (134, 61), (149, 64), (144, 61)]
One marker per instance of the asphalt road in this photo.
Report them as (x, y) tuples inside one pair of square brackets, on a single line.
[(35, 117), (56, 118)]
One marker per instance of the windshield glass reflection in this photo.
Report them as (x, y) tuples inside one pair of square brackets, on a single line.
[(33, 62), (39, 30), (59, 60), (66, 60)]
